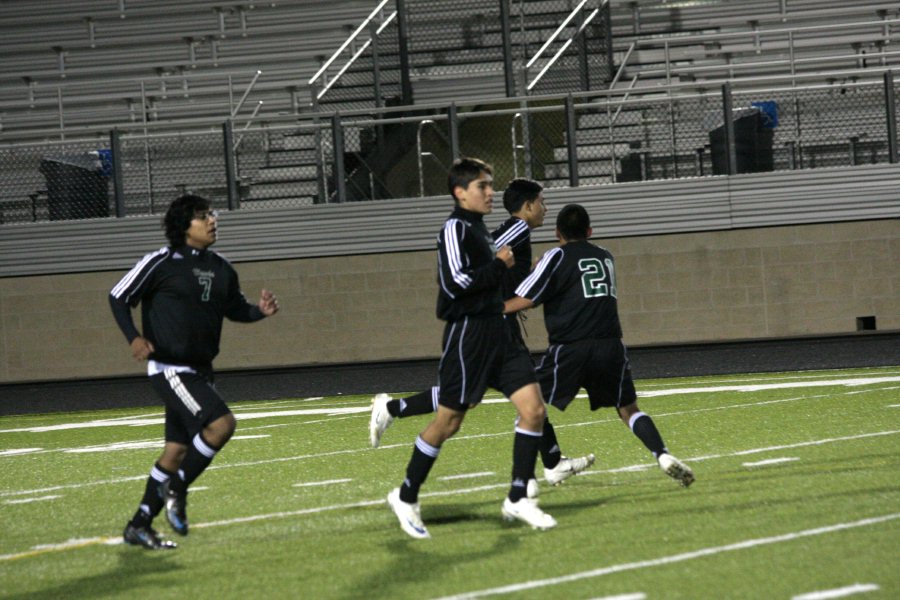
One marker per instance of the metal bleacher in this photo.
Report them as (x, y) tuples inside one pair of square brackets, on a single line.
[(89, 64), (75, 70)]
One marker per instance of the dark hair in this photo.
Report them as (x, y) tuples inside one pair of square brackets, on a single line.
[(518, 192), (573, 222), (179, 216), (464, 171)]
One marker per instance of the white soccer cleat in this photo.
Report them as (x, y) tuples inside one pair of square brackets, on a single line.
[(532, 490), (566, 468), (380, 420), (527, 510), (408, 515), (676, 469)]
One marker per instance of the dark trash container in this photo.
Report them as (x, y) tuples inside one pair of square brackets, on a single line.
[(76, 187), (752, 143)]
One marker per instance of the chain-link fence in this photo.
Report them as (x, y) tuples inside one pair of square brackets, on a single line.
[(55, 181), (574, 140)]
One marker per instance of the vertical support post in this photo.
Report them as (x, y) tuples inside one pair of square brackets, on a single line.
[(571, 145), (115, 147), (403, 41), (234, 200), (729, 129), (526, 140), (453, 119), (337, 136), (584, 69), (891, 107), (376, 66), (506, 36)]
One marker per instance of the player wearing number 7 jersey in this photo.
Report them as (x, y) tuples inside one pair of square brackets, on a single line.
[(576, 283), (185, 291)]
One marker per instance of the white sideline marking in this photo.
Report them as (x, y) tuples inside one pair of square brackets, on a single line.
[(17, 451), (466, 476), (27, 500), (856, 588), (249, 437), (771, 461), (353, 410), (770, 386), (668, 560), (115, 446), (327, 482), (638, 467), (635, 596)]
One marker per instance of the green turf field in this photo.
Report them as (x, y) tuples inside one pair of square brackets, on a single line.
[(797, 496)]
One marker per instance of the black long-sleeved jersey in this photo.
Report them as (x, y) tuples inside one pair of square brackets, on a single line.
[(184, 294), (469, 274), (515, 233), (576, 283)]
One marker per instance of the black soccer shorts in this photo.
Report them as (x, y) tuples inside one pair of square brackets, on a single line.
[(480, 353), (191, 402), (600, 366)]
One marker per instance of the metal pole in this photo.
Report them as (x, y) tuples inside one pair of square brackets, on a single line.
[(337, 135), (115, 147), (402, 38), (731, 164), (376, 67), (571, 145), (526, 140), (454, 131), (890, 105), (506, 36), (234, 199), (59, 104)]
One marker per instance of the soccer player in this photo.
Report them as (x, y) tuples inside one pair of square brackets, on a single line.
[(478, 352), (576, 283), (185, 290), (524, 200)]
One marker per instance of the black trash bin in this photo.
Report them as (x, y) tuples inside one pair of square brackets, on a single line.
[(76, 187), (752, 144)]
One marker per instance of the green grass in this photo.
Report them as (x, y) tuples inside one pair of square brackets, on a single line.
[(827, 516)]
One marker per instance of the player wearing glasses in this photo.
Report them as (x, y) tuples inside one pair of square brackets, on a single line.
[(185, 291)]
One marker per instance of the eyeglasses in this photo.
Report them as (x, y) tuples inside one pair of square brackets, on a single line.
[(205, 216)]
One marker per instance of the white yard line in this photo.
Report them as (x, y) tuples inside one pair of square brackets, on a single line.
[(771, 461), (79, 543), (466, 476), (30, 500), (316, 483), (850, 590), (337, 410), (671, 559)]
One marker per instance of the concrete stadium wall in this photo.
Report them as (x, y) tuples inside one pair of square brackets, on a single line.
[(693, 287)]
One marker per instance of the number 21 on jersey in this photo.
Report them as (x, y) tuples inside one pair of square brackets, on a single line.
[(598, 278)]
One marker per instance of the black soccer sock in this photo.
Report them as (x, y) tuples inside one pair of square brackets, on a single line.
[(152, 502), (643, 427), (550, 452), (198, 456), (525, 450), (417, 404), (423, 457)]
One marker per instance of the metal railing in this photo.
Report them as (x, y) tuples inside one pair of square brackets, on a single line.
[(320, 82), (796, 121), (882, 30)]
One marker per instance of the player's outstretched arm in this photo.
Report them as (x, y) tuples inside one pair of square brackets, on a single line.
[(515, 304)]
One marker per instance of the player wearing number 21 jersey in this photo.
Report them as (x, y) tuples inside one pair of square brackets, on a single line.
[(576, 283)]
